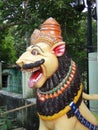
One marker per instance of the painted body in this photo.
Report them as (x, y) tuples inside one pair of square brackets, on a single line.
[(56, 78), (65, 123)]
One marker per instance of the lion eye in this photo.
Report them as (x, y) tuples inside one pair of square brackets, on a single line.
[(35, 52)]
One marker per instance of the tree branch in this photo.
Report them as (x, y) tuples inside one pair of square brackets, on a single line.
[(7, 25)]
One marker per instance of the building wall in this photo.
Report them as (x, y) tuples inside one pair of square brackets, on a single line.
[(12, 80), (27, 117)]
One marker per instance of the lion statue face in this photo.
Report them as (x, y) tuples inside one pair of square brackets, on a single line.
[(41, 61), (40, 58)]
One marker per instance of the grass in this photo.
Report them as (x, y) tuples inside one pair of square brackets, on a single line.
[(96, 115)]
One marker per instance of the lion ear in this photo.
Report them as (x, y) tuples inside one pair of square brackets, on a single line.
[(59, 48)]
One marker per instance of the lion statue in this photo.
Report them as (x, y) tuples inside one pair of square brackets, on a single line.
[(60, 103)]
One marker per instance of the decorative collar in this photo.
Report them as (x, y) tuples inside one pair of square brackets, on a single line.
[(59, 89), (65, 110)]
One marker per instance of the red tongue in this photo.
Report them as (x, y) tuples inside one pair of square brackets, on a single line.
[(35, 75), (33, 78)]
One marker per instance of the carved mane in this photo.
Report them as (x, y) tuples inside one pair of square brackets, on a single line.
[(52, 106)]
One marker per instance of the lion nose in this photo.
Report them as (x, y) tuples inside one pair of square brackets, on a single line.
[(23, 59), (19, 62)]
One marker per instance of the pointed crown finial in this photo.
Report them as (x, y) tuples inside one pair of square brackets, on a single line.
[(50, 33)]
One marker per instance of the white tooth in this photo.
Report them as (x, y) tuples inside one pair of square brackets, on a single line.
[(34, 80), (39, 77)]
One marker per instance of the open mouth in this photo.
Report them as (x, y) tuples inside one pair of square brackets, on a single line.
[(35, 76)]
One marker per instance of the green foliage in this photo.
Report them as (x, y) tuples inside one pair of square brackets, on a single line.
[(19, 18), (7, 50), (6, 123)]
